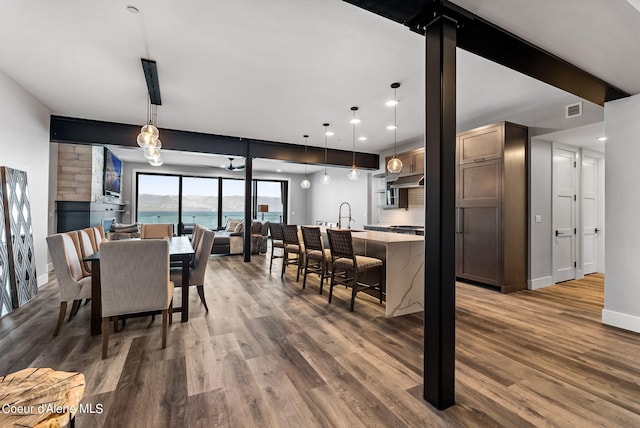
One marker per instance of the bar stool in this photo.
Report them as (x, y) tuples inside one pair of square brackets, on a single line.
[(348, 267), (277, 241), (291, 246), (317, 258)]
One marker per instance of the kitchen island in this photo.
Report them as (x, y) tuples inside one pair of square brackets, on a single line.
[(403, 262)]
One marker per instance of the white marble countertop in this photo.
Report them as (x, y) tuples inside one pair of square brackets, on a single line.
[(386, 237)]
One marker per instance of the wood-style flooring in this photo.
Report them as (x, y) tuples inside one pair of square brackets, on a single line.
[(269, 354)]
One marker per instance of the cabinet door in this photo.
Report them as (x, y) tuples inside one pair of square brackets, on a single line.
[(418, 162), (481, 145), (480, 184), (479, 245), (407, 163)]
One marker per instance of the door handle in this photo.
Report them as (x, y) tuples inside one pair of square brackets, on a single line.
[(558, 233), (597, 230)]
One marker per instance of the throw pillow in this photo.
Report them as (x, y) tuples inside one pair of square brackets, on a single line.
[(231, 225), (239, 227), (124, 228)]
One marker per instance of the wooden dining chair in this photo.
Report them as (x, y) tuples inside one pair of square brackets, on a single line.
[(135, 280), (292, 249), (317, 258), (349, 268), (277, 241)]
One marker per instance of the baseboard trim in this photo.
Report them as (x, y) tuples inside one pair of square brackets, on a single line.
[(536, 283), (49, 267), (43, 279), (621, 320)]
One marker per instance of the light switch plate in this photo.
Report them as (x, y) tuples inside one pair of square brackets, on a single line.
[(538, 218)]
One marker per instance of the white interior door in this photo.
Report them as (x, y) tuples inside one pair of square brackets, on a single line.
[(564, 208), (590, 214)]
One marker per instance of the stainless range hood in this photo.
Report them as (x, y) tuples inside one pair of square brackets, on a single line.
[(408, 182)]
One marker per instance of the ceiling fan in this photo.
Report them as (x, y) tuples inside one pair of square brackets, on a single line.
[(231, 167)]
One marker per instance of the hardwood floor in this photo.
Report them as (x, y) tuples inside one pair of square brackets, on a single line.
[(271, 354)]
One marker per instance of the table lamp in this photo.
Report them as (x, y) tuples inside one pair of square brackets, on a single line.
[(263, 209)]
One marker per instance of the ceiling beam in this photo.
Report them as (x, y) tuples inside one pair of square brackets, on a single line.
[(150, 69), (70, 130), (489, 41)]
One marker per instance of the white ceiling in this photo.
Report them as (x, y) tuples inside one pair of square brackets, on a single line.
[(278, 69), (586, 137)]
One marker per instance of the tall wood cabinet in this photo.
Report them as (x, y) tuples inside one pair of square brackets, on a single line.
[(491, 206)]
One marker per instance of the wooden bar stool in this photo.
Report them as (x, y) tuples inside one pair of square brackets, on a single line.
[(277, 241), (291, 246), (317, 258)]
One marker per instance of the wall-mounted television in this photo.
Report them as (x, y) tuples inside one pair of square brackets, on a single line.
[(112, 174)]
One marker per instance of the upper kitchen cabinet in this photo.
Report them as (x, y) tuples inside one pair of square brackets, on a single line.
[(481, 144), (491, 206), (412, 162)]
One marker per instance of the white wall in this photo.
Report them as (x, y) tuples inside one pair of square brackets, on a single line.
[(24, 145), (325, 199), (622, 283), (540, 194)]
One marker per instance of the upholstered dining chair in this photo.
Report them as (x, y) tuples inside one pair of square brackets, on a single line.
[(348, 268), (156, 230), (277, 241), (98, 237), (86, 246), (73, 286), (317, 258), (291, 246), (134, 277), (200, 262), (195, 235)]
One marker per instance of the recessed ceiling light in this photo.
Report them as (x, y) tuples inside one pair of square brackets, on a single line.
[(391, 103), (391, 127), (362, 138), (278, 170), (133, 9), (602, 139)]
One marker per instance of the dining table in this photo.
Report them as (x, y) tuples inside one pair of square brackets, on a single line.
[(180, 250)]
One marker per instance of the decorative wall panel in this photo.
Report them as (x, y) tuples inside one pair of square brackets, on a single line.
[(17, 216), (5, 282)]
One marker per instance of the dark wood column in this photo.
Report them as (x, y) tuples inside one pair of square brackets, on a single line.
[(440, 184), (248, 180)]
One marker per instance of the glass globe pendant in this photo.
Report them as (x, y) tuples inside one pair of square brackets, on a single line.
[(353, 173), (325, 178), (394, 165), (305, 184)]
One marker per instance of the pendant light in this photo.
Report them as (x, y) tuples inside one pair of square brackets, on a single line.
[(325, 177), (394, 165), (148, 137), (305, 184), (353, 172)]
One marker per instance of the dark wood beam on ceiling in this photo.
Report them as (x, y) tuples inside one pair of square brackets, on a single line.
[(489, 41), (150, 69), (84, 131)]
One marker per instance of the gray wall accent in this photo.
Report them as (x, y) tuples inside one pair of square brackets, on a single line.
[(622, 286)]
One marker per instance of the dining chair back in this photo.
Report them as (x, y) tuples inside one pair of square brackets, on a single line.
[(200, 263), (135, 279), (98, 237), (291, 248), (348, 268), (156, 230), (277, 241), (317, 258), (86, 246), (73, 285)]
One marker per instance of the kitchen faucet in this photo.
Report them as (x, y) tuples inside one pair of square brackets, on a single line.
[(340, 216)]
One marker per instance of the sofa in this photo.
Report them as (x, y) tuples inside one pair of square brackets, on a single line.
[(230, 240)]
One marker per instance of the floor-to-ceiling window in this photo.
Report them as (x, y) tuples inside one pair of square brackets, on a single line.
[(209, 201), (158, 199), (200, 201), (273, 194)]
